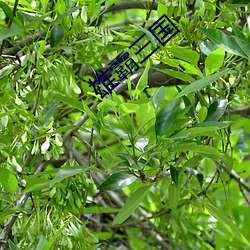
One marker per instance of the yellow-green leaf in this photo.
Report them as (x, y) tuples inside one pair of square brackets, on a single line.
[(132, 203), (8, 180), (173, 196)]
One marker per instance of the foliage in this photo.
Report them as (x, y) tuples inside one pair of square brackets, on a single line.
[(161, 163)]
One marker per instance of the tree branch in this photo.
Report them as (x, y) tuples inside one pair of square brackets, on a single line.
[(9, 24), (148, 13), (21, 44), (236, 177), (161, 239), (129, 5), (243, 111), (85, 117), (16, 63), (20, 203)]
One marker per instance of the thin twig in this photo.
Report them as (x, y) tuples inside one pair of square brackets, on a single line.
[(16, 63), (148, 13), (37, 97), (9, 24), (204, 192), (244, 195), (20, 203), (113, 196), (235, 176)]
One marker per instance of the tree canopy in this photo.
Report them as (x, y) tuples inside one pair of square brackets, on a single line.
[(158, 161)]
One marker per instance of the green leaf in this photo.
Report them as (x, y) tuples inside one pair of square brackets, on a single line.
[(88, 110), (161, 9), (189, 68), (117, 181), (98, 210), (188, 105), (108, 3), (237, 32), (173, 196), (194, 161), (49, 110), (132, 203), (185, 54), (49, 244), (60, 7), (174, 172), (149, 36), (44, 3), (244, 45), (56, 131), (35, 184), (202, 100), (245, 2), (125, 158), (19, 20), (128, 108), (227, 223), (70, 101), (223, 41), (158, 97), (214, 61), (197, 85), (204, 150), (166, 117), (219, 125), (9, 32), (68, 12), (56, 35), (143, 81), (41, 243), (7, 10), (8, 180), (13, 246), (177, 74), (216, 110), (181, 146), (241, 40), (66, 172), (198, 175), (193, 132), (36, 21), (9, 211), (202, 114)]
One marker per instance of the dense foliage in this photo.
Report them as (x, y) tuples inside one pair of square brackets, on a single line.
[(161, 163)]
